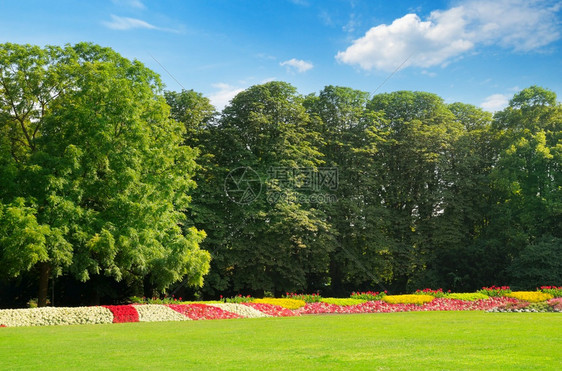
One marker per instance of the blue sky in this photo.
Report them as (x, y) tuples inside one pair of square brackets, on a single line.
[(474, 51)]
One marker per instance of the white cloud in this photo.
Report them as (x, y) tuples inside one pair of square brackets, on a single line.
[(126, 23), (130, 3), (224, 95), (495, 102), (297, 64), (519, 25)]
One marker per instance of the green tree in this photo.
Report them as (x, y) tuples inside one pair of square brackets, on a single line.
[(272, 241), (350, 143), (90, 160), (420, 132), (527, 176)]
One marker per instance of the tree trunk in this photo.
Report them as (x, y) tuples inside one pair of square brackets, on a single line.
[(44, 272)]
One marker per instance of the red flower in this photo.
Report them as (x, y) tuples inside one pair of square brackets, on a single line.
[(202, 311), (123, 313)]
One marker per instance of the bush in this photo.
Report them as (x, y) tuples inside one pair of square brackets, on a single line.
[(435, 293), (538, 264), (369, 295), (495, 291), (307, 298), (556, 292), (408, 299)]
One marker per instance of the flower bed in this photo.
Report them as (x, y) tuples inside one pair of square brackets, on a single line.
[(241, 310), (271, 309), (123, 313), (202, 311), (285, 303), (492, 299), (530, 296), (55, 316), (158, 313)]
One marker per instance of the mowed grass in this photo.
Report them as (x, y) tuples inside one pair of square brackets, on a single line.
[(414, 340)]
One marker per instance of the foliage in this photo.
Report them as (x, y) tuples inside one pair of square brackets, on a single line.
[(94, 176), (530, 296), (495, 291), (368, 295), (408, 299), (435, 293), (555, 291), (307, 298), (237, 299)]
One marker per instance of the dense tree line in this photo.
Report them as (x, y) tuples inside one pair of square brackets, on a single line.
[(112, 187)]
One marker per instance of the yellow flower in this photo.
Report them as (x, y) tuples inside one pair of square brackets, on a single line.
[(530, 296), (285, 303), (408, 299)]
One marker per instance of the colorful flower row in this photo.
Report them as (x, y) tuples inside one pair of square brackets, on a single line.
[(184, 312)]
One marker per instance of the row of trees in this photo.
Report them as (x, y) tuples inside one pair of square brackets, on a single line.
[(119, 188)]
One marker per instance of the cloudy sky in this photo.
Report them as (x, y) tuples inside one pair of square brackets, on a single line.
[(474, 51)]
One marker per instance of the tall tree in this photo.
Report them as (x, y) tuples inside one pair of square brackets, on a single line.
[(420, 131), (350, 142), (264, 236), (91, 162), (527, 177)]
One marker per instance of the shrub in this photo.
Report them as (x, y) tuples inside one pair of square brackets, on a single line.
[(285, 303), (495, 291), (467, 296), (530, 296), (435, 293), (556, 292), (343, 302), (408, 299), (237, 299), (307, 298), (368, 295)]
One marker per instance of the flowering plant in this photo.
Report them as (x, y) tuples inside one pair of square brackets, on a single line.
[(368, 295), (271, 309), (408, 299), (343, 302), (307, 298), (285, 303), (552, 290), (495, 291), (530, 296), (237, 299), (468, 296), (435, 293), (202, 311), (123, 313)]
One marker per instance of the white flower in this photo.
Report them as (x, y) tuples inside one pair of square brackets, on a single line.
[(241, 310), (158, 313)]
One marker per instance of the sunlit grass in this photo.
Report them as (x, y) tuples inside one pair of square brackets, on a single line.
[(411, 340)]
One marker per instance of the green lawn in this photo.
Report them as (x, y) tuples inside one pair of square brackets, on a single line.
[(414, 340)]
